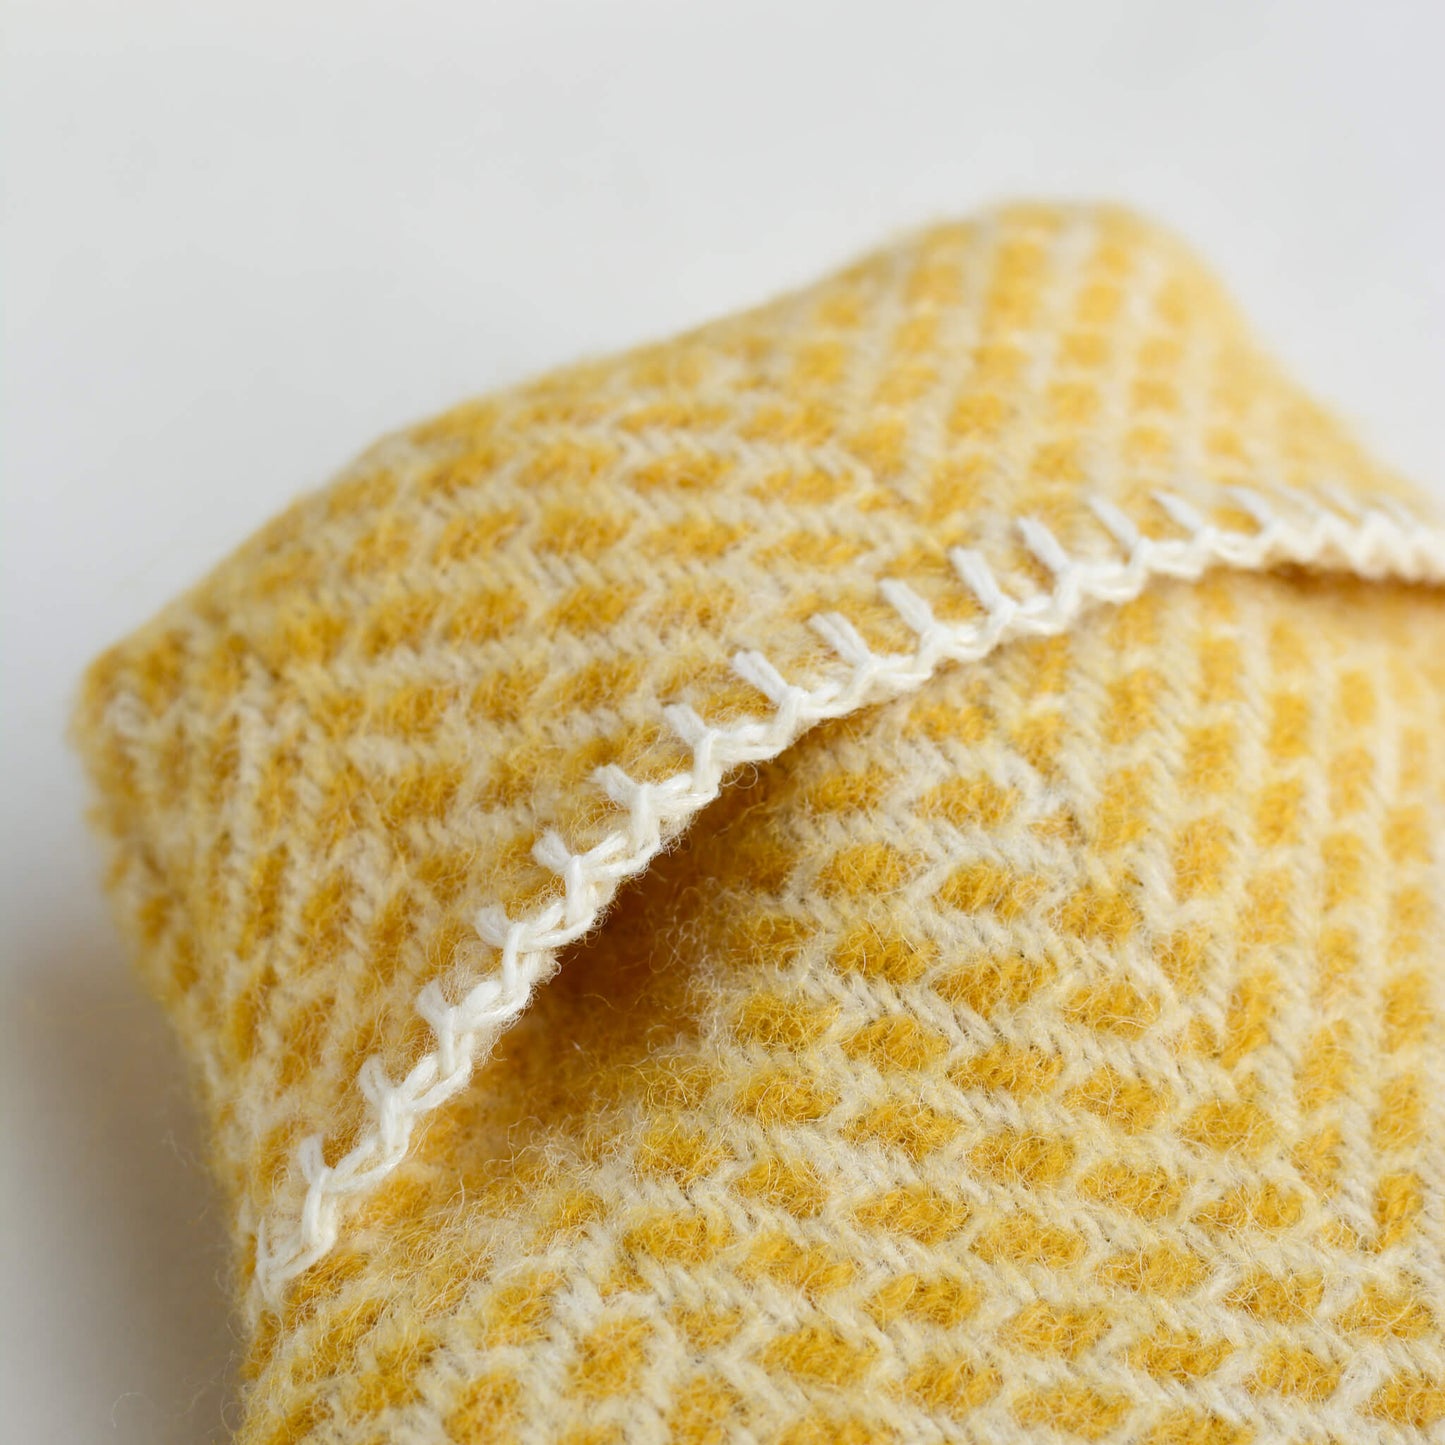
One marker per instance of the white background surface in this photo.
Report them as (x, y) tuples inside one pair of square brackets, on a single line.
[(240, 240)]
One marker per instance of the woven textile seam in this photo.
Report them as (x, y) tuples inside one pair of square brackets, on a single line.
[(1372, 544)]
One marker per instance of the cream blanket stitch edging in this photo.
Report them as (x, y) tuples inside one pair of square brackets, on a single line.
[(1373, 545), (966, 733)]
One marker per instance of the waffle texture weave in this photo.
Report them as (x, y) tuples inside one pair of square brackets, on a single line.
[(966, 738)]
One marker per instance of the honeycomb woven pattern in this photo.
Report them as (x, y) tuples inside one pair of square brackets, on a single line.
[(1034, 1036)]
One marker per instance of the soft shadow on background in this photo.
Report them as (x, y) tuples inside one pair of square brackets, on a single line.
[(125, 1278), (242, 239)]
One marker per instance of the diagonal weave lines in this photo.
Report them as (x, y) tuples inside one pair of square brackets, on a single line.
[(1051, 1043), (1373, 543), (1046, 1051)]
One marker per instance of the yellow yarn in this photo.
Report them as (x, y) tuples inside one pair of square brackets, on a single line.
[(1045, 1045)]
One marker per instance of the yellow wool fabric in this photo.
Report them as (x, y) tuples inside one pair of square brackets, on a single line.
[(1044, 1046)]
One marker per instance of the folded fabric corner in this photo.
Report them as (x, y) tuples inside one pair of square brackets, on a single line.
[(966, 739)]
